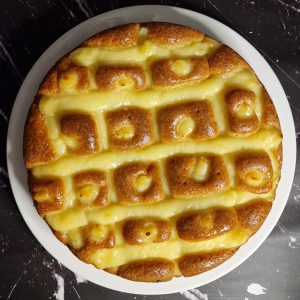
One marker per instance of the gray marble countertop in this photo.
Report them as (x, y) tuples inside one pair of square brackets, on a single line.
[(27, 29)]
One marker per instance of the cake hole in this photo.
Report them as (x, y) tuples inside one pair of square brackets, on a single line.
[(244, 111), (88, 193), (124, 82), (142, 183), (207, 220), (125, 132), (185, 127), (254, 178), (149, 232), (181, 67), (201, 171)]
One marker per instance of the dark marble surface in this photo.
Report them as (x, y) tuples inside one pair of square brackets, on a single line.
[(27, 29)]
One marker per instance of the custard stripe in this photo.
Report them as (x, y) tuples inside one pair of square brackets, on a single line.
[(170, 208), (265, 139), (114, 213), (102, 130), (87, 56), (107, 100), (120, 255)]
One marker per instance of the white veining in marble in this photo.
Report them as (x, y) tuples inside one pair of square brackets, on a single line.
[(82, 4), (80, 279), (194, 294), (11, 62), (283, 24), (13, 288), (20, 277), (293, 242), (76, 292), (288, 5), (282, 228), (220, 294), (297, 196), (3, 115), (3, 172), (3, 178), (67, 8), (256, 289), (60, 293)]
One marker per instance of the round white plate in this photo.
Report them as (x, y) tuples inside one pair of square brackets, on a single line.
[(74, 37)]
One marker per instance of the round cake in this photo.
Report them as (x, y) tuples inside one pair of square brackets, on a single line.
[(152, 151)]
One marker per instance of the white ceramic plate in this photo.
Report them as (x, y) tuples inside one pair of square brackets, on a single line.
[(74, 37)]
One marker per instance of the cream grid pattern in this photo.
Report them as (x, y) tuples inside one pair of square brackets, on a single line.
[(96, 103)]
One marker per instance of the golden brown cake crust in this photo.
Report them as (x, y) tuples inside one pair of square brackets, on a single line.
[(139, 231), (191, 265), (137, 118), (252, 215), (270, 118), (172, 34), (62, 69), (164, 76), (119, 37), (48, 194), (183, 185), (50, 83), (125, 177), (37, 146), (151, 270), (89, 179), (236, 101), (225, 60), (200, 112), (138, 65), (83, 128), (108, 77), (206, 225), (254, 172)]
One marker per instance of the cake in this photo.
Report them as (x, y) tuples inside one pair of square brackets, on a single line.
[(153, 151)]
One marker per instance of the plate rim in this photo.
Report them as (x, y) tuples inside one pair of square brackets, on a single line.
[(38, 226)]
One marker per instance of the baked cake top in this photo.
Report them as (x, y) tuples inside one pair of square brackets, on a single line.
[(153, 151)]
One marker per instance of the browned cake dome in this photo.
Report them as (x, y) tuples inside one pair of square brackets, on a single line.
[(153, 151)]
